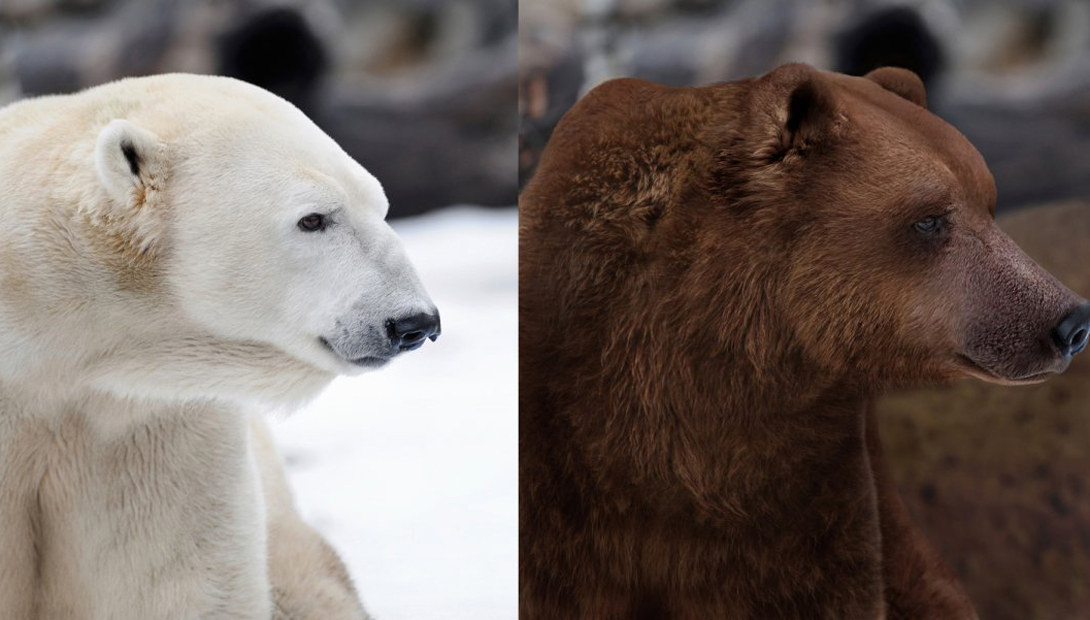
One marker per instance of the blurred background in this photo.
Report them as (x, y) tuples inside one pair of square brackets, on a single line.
[(420, 92), (995, 476), (411, 472)]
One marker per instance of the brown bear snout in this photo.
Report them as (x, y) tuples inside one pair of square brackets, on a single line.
[(1071, 334), (1021, 324)]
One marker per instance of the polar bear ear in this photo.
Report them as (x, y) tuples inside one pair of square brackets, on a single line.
[(129, 161), (900, 82)]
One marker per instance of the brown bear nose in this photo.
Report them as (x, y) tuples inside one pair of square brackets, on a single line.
[(1071, 334)]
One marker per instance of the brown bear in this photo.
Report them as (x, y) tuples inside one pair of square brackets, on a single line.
[(714, 283), (995, 475)]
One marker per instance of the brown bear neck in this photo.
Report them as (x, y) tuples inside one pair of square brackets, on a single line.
[(686, 425), (682, 451), (669, 500)]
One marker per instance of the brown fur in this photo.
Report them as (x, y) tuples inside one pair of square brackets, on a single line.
[(713, 282)]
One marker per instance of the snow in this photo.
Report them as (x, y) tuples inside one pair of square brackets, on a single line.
[(411, 471)]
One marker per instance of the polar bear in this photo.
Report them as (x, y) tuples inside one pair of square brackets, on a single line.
[(176, 253)]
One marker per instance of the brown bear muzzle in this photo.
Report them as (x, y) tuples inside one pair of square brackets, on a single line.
[(1016, 357), (1021, 324)]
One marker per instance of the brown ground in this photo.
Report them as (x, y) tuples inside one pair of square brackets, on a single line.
[(998, 476)]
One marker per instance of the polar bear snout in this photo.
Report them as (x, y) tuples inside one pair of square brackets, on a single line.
[(367, 345), (409, 333)]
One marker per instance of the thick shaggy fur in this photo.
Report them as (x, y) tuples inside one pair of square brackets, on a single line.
[(713, 283), (155, 289)]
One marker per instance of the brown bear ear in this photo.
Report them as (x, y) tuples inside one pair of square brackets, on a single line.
[(900, 82), (805, 109)]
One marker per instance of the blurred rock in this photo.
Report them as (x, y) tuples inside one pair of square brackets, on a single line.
[(550, 75), (50, 63), (276, 49), (16, 11), (451, 141), (1036, 149), (894, 36)]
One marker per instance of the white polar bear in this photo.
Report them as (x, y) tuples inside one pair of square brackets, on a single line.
[(174, 251)]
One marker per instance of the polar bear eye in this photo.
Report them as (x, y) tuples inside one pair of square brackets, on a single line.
[(313, 222)]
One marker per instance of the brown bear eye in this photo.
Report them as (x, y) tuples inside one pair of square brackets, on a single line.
[(313, 222), (929, 225)]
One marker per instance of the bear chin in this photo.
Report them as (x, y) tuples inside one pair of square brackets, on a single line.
[(356, 364), (967, 367), (191, 369)]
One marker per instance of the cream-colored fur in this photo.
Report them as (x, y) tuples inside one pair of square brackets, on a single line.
[(155, 291)]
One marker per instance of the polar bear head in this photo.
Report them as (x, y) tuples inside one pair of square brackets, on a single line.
[(253, 250)]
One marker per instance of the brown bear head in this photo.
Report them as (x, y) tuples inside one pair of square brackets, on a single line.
[(804, 228)]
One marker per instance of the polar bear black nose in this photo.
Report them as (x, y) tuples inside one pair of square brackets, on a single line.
[(409, 333), (1072, 332)]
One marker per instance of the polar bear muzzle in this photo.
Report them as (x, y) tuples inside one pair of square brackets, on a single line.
[(369, 347)]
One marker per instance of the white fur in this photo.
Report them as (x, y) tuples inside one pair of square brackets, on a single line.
[(142, 315)]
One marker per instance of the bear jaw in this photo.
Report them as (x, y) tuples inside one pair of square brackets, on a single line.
[(194, 367)]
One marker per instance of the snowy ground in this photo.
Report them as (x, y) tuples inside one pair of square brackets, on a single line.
[(411, 472)]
